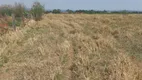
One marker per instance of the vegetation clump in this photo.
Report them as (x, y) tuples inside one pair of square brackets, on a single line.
[(37, 11)]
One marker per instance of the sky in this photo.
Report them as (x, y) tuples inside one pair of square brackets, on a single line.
[(84, 4)]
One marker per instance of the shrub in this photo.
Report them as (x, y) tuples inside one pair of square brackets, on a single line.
[(5, 10), (19, 9), (17, 23), (37, 10)]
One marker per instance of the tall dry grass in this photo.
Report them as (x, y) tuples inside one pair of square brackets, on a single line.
[(74, 47)]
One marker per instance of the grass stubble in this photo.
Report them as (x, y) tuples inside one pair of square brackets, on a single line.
[(74, 47)]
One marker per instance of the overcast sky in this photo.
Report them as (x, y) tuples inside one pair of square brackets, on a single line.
[(84, 4)]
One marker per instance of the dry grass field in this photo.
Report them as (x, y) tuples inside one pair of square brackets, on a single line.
[(74, 47)]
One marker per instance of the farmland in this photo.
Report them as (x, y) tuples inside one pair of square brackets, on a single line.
[(74, 47)]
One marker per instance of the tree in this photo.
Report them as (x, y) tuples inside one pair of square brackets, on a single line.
[(56, 11), (70, 11), (37, 10)]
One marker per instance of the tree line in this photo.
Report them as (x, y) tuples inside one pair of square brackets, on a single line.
[(20, 11), (58, 11)]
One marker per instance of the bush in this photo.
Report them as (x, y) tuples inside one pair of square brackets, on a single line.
[(5, 10), (19, 9), (37, 10), (17, 23)]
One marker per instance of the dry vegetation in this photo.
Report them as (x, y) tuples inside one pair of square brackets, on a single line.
[(74, 47)]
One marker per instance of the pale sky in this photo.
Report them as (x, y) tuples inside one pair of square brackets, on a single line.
[(84, 4)]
